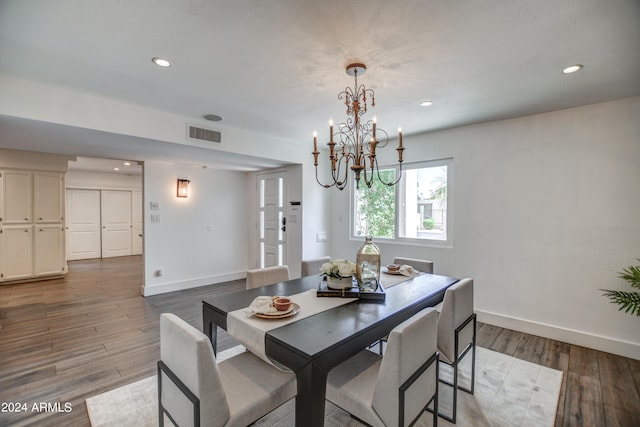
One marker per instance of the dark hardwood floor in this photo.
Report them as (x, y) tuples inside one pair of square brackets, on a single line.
[(68, 339)]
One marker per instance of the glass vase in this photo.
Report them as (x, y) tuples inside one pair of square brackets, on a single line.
[(368, 266)]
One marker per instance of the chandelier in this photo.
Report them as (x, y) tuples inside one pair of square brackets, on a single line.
[(353, 145)]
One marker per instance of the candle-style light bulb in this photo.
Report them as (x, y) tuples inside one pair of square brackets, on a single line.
[(400, 137), (331, 130), (375, 120), (315, 141)]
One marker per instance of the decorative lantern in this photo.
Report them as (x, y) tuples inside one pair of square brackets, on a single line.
[(368, 266)]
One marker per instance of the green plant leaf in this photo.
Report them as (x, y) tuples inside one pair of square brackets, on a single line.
[(628, 301), (632, 275)]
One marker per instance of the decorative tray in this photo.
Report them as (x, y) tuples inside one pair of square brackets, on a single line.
[(354, 292)]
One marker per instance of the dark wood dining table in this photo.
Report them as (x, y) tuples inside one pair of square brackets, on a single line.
[(313, 345)]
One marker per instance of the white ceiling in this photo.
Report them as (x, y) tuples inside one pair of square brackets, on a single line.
[(276, 67)]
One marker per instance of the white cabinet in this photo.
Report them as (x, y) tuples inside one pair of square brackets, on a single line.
[(16, 197), (48, 196), (49, 250), (16, 243), (32, 240)]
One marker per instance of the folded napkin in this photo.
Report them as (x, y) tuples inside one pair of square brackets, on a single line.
[(407, 270), (261, 304)]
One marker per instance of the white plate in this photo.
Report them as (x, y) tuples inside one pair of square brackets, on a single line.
[(292, 311), (386, 270)]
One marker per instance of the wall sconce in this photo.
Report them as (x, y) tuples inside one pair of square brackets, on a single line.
[(183, 188)]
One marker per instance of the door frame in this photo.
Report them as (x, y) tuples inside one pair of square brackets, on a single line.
[(285, 197), (293, 211)]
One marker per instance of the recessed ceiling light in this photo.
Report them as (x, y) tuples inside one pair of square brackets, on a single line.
[(212, 117), (426, 103), (127, 163), (116, 169), (572, 69), (161, 62)]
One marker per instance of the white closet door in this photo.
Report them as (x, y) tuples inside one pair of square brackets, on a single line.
[(83, 224), (116, 223)]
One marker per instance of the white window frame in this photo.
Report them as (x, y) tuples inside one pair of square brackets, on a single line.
[(447, 243)]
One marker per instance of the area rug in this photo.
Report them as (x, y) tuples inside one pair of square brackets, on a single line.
[(508, 392)]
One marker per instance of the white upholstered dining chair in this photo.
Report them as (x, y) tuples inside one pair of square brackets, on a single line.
[(312, 266), (421, 265), (194, 390), (267, 276), (457, 335), (394, 389)]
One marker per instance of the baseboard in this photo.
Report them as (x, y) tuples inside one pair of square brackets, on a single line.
[(581, 338), (193, 283)]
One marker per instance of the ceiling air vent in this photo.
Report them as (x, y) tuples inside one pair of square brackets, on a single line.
[(202, 134)]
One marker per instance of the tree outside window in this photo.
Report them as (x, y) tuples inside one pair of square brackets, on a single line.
[(374, 213), (418, 211)]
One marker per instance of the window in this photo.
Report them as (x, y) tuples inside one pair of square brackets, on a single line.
[(375, 208), (414, 210)]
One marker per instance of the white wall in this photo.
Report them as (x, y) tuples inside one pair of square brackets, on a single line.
[(545, 214), (16, 159), (200, 240), (47, 103), (38, 101), (316, 208), (103, 180)]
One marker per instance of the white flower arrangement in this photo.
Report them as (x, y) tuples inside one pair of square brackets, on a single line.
[(339, 268)]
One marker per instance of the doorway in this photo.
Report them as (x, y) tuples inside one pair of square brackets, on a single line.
[(272, 222), (104, 206)]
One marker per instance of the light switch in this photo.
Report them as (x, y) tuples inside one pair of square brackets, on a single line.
[(321, 236)]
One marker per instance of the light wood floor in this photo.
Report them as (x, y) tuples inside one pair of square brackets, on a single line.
[(68, 339)]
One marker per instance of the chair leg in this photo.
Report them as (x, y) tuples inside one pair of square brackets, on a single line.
[(455, 392), (435, 398), (455, 364), (471, 389), (472, 348), (160, 409), (454, 387)]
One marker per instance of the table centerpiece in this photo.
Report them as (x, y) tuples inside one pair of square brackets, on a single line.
[(339, 273)]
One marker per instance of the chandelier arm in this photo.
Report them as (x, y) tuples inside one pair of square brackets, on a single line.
[(335, 175), (323, 185), (368, 180), (389, 184)]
